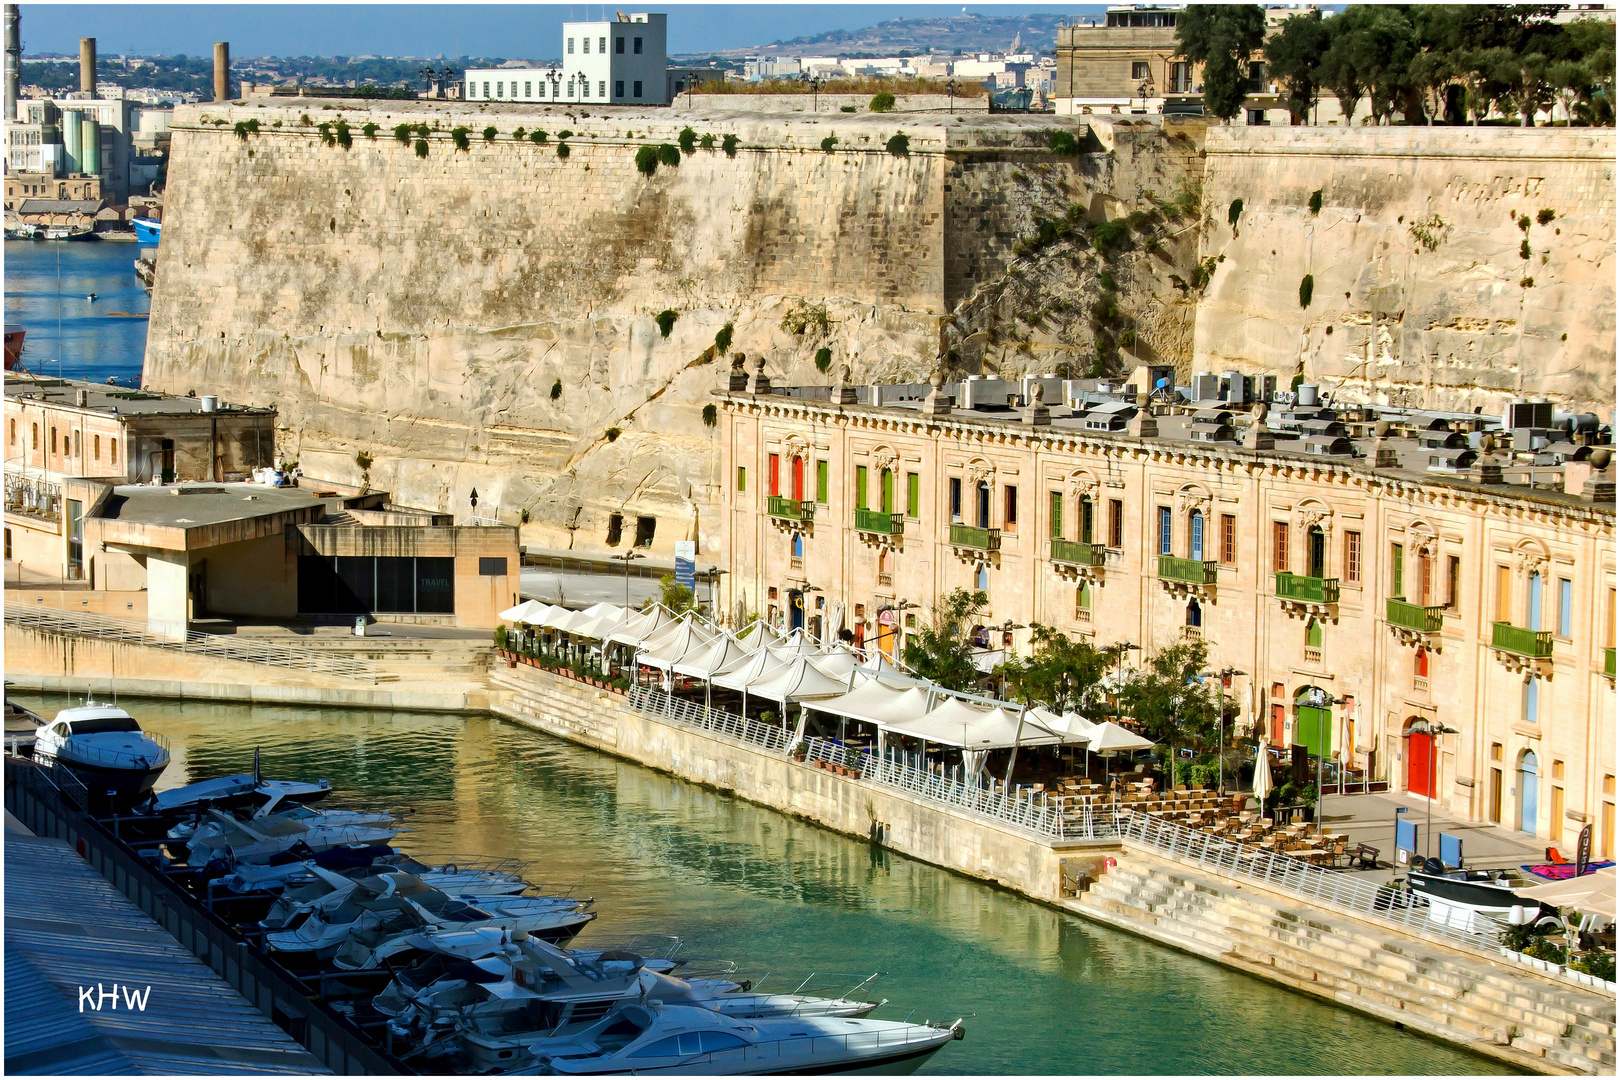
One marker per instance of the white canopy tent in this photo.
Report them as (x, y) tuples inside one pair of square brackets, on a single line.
[(975, 727), (716, 654), (667, 633), (1071, 728), (538, 615), (750, 668), (798, 643), (757, 634), (641, 626), (797, 680), (1109, 736), (603, 623), (880, 703), (520, 611), (840, 662), (687, 636)]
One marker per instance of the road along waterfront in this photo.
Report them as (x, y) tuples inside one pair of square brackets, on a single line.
[(1053, 993)]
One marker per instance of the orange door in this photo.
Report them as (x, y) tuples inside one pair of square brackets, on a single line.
[(1419, 760)]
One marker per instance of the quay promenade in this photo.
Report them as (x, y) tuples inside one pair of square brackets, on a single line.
[(1159, 884)]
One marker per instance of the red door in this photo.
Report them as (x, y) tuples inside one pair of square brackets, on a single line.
[(1277, 716), (798, 479), (1419, 758)]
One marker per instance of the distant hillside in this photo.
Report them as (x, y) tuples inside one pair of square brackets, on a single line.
[(969, 33)]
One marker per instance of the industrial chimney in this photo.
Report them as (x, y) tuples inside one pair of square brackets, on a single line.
[(87, 65), (222, 70), (13, 60)]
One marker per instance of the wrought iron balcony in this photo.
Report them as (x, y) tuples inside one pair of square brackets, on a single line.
[(1533, 644), (1307, 590), (877, 521), (1077, 552), (1189, 571), (971, 536), (1415, 618), (790, 509)]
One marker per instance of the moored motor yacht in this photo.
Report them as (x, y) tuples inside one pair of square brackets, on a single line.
[(231, 792), (222, 836), (105, 748), (1478, 901), (677, 1039)]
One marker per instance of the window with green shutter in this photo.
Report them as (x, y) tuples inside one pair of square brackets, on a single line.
[(886, 484), (860, 487), (742, 479), (913, 495), (1057, 515), (1086, 520), (1397, 570), (821, 482)]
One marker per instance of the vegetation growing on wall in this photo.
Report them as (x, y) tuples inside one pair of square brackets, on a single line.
[(807, 318), (490, 133), (666, 321), (882, 101), (829, 142), (1316, 202), (421, 148), (898, 145), (823, 359), (1063, 143), (687, 140), (669, 154), (647, 160), (1307, 285), (729, 145), (459, 136), (402, 132), (711, 415), (722, 340)]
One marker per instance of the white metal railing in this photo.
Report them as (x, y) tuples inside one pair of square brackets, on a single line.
[(82, 753), (693, 714), (1346, 892), (1025, 810), (85, 624)]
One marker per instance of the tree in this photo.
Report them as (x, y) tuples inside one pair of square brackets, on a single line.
[(1294, 58), (1221, 37), (1527, 88), (1060, 673), (1372, 50), (673, 595), (943, 650), (1167, 700)]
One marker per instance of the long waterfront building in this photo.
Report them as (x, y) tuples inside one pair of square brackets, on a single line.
[(1460, 617)]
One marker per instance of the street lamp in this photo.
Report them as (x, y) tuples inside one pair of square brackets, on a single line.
[(950, 93), (1434, 728), (1216, 677), (714, 582), (1143, 90), (627, 558), (1321, 699), (815, 88)]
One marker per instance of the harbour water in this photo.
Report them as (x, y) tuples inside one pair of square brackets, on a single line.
[(68, 334), (1051, 993)]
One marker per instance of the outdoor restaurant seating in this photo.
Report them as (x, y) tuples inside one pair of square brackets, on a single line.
[(1201, 808)]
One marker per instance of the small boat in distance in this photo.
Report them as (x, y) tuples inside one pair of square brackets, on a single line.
[(147, 231), (105, 748), (68, 232), (14, 344)]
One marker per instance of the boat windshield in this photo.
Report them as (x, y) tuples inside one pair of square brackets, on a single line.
[(101, 725)]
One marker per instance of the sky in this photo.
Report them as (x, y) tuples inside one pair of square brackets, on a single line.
[(448, 29)]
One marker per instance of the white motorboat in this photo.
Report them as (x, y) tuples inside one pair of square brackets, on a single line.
[(681, 1040), (105, 748), (1478, 901), (357, 929), (231, 792), (222, 836), (492, 1007), (326, 890)]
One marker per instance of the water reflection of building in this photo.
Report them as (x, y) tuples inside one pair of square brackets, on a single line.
[(1416, 580)]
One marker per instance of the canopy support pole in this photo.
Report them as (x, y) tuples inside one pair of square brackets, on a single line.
[(1017, 736)]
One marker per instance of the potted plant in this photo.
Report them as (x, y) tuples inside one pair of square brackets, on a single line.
[(801, 750)]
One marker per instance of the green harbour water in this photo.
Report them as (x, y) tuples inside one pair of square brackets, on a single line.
[(1050, 992)]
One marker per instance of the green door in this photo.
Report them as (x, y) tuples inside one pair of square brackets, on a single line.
[(1312, 728)]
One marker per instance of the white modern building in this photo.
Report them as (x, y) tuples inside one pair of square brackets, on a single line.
[(621, 62)]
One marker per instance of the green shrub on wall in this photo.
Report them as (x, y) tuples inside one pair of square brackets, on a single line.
[(647, 161), (666, 320), (1316, 202), (883, 101), (688, 140), (669, 154), (421, 148), (1307, 285), (899, 145)]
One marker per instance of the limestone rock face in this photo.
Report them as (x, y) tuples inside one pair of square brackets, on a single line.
[(1420, 293), (486, 318)]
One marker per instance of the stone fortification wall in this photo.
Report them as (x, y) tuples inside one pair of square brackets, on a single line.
[(826, 104), (1421, 295), (485, 318)]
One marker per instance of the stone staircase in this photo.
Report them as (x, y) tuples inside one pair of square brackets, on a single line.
[(1520, 1018)]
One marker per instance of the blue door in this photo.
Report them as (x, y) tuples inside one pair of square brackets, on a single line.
[(795, 611), (1195, 527), (1535, 602), (1527, 792)]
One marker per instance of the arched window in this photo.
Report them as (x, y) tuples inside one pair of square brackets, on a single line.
[(1313, 635), (1082, 602), (885, 567), (1087, 518), (1420, 664), (1195, 614), (1195, 537), (798, 545), (981, 580)]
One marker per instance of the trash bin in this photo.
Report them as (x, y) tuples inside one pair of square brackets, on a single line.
[(360, 626)]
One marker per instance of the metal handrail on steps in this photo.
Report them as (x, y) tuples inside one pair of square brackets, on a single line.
[(1406, 911), (655, 702), (87, 625), (1022, 811)]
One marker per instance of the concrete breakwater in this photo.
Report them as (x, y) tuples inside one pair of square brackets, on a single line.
[(1532, 1023)]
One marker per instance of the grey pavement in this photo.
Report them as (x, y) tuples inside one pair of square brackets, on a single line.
[(1370, 819), (577, 590)]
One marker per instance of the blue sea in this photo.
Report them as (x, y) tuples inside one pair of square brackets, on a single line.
[(47, 284)]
